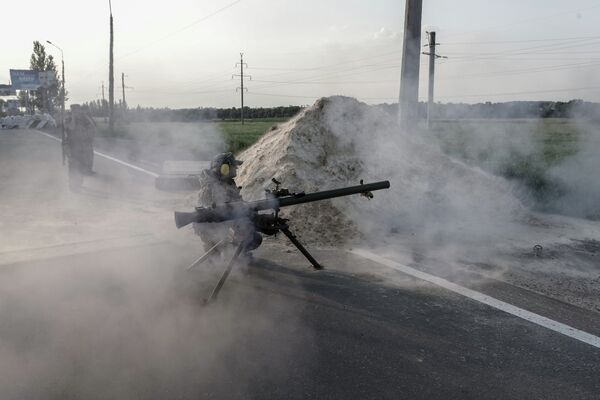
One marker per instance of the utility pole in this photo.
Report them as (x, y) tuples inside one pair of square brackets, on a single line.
[(432, 57), (408, 107), (123, 87), (62, 108), (241, 75), (111, 76), (103, 108)]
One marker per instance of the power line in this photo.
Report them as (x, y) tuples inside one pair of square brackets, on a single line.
[(196, 22), (482, 74), (167, 36), (524, 71), (342, 73), (317, 97), (327, 83), (329, 66), (521, 41), (544, 49), (178, 92), (525, 92), (449, 96)]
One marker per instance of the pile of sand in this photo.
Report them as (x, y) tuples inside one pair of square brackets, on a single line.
[(305, 155), (338, 141)]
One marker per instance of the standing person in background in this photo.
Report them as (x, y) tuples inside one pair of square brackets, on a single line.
[(88, 126), (80, 130)]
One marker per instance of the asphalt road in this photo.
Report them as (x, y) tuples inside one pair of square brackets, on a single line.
[(131, 323)]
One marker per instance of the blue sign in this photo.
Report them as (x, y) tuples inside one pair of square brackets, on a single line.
[(24, 79)]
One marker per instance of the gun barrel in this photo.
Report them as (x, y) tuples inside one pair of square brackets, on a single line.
[(330, 194), (230, 211)]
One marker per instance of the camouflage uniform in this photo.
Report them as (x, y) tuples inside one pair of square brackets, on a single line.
[(216, 190), (80, 129)]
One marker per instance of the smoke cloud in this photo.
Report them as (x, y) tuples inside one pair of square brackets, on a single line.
[(126, 323), (580, 191), (447, 213)]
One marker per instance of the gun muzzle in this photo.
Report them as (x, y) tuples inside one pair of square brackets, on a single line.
[(185, 218)]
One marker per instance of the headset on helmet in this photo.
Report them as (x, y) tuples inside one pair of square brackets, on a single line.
[(223, 162)]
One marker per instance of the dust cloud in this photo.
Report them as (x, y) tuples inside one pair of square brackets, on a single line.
[(579, 194), (131, 326), (339, 141), (449, 215), (128, 322)]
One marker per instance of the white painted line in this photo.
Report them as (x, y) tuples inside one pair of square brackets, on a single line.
[(485, 299), (153, 174), (47, 135), (145, 171)]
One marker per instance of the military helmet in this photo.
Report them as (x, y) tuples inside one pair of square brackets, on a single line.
[(223, 162)]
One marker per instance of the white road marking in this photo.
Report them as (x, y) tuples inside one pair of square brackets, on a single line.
[(153, 174), (485, 299), (135, 167)]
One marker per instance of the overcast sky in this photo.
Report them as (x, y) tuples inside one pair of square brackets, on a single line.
[(182, 53)]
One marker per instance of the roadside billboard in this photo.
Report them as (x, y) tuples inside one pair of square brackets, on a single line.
[(47, 78), (24, 79)]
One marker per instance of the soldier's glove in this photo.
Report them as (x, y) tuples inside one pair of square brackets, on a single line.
[(265, 224)]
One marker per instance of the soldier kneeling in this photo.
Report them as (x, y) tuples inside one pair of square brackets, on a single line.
[(217, 186)]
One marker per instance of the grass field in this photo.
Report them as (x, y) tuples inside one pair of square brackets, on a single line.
[(236, 136), (522, 149), (239, 137)]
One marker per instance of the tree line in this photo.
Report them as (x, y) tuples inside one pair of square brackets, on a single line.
[(508, 110), (487, 110), (521, 109), (99, 108)]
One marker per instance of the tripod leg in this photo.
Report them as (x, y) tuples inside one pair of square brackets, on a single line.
[(221, 282), (302, 249), (206, 255)]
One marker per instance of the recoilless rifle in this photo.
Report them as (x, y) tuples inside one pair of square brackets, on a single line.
[(267, 223)]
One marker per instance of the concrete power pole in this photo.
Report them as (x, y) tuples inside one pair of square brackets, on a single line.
[(430, 89), (123, 87), (432, 57), (103, 103), (111, 77), (408, 107), (241, 75)]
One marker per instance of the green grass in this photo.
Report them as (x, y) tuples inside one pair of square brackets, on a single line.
[(237, 137), (522, 149), (240, 137)]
